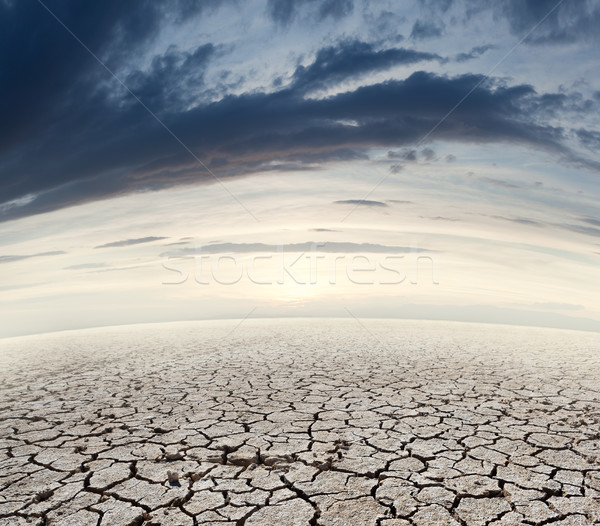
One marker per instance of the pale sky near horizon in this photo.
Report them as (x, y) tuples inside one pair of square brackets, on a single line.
[(352, 180)]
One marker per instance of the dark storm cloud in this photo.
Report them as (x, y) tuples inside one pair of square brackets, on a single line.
[(351, 58), (11, 258), (70, 134), (129, 242), (106, 150), (56, 85), (284, 11), (46, 65), (361, 202), (173, 79)]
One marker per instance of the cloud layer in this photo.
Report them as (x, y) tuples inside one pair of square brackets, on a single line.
[(71, 134)]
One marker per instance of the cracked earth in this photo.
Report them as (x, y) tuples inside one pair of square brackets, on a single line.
[(301, 422)]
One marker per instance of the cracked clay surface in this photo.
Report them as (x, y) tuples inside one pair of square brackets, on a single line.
[(301, 422)]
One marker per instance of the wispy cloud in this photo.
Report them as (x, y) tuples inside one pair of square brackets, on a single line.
[(84, 266), (519, 220), (440, 218), (115, 269), (499, 182), (12, 258), (475, 52), (22, 286), (591, 221), (581, 229), (177, 243), (308, 246), (128, 242), (361, 202), (557, 306)]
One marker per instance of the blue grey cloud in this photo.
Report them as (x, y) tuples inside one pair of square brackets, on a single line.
[(425, 29), (589, 138), (591, 220), (569, 22), (520, 220), (475, 52), (581, 229), (351, 58), (283, 12)]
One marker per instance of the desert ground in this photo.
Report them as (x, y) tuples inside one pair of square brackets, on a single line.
[(301, 422)]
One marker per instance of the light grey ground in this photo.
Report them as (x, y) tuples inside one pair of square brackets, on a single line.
[(303, 422)]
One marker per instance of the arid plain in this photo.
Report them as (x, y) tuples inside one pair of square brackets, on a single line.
[(301, 422)]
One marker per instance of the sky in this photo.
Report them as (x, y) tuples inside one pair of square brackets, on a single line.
[(186, 160)]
